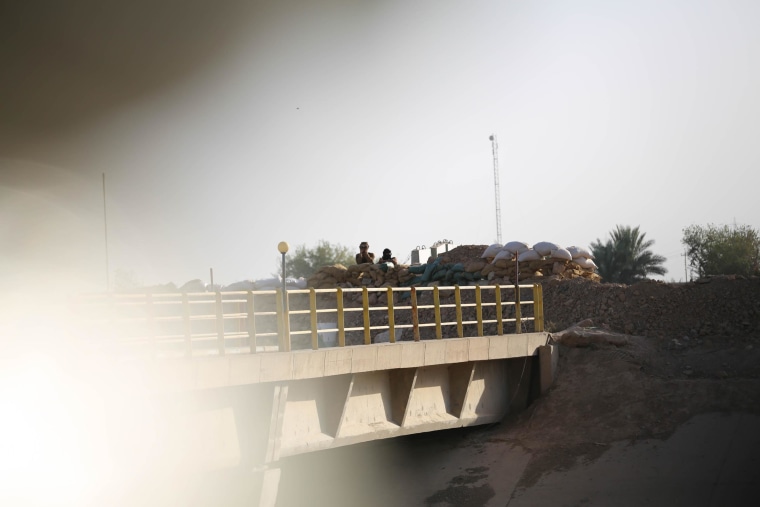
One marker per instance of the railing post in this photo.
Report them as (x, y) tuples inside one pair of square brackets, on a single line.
[(538, 308), (286, 320), (437, 305), (341, 319), (518, 310), (251, 322), (365, 312), (391, 317), (415, 316), (219, 323), (313, 314), (479, 309), (283, 320), (458, 301), (499, 317), (186, 324), (541, 306)]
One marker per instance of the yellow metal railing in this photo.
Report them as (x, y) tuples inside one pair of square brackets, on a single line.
[(261, 321)]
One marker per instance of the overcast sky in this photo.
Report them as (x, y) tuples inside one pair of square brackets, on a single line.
[(226, 127)]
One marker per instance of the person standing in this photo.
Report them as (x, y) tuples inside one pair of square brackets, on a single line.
[(365, 256)]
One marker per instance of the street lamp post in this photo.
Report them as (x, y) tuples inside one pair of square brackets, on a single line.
[(282, 247)]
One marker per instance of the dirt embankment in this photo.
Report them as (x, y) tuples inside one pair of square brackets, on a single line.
[(660, 354), (686, 349), (714, 308)]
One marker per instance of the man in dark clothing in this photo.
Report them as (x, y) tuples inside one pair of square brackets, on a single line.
[(388, 256), (364, 254)]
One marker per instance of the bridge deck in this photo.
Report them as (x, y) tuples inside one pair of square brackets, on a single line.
[(258, 408), (243, 369)]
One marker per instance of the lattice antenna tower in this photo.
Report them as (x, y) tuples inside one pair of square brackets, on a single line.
[(495, 149)]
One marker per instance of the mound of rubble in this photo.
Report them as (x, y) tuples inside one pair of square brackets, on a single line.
[(468, 264), (685, 314)]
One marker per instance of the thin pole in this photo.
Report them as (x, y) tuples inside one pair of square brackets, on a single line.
[(105, 230), (284, 287), (517, 269), (284, 346), (497, 191)]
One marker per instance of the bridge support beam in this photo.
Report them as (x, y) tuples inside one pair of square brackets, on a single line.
[(251, 413)]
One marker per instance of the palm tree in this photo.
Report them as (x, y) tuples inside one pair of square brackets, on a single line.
[(625, 257)]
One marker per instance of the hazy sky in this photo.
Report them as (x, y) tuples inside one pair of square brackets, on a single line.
[(226, 127)]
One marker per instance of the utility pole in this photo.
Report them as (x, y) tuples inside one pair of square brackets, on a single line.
[(495, 150), (685, 273)]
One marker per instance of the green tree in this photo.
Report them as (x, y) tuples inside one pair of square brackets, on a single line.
[(625, 257), (306, 261), (714, 250)]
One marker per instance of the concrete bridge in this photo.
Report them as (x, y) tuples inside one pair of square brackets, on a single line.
[(241, 393)]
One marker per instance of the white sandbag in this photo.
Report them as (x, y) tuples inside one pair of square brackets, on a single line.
[(516, 247), (545, 247), (491, 251), (528, 255), (579, 251), (585, 263), (504, 254), (562, 253)]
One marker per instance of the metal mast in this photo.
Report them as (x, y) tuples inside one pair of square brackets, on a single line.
[(495, 149)]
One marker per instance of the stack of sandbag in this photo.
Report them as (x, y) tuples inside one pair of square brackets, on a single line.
[(517, 260), (502, 264), (438, 273), (360, 275), (583, 259), (329, 276)]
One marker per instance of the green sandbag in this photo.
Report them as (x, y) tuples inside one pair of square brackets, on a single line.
[(412, 281), (429, 271), (417, 270), (457, 267), (440, 275)]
